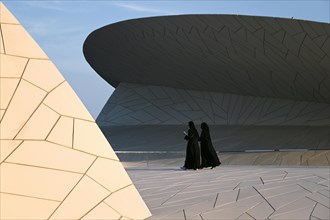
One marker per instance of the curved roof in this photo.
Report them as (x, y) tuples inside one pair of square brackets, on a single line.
[(248, 55)]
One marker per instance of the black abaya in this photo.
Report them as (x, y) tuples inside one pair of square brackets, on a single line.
[(192, 153), (208, 154)]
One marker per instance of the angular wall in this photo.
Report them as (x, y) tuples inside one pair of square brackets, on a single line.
[(136, 104), (151, 118), (55, 162)]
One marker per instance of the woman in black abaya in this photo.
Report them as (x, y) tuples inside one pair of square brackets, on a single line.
[(192, 153), (209, 156)]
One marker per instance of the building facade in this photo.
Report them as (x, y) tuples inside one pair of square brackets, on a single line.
[(259, 82)]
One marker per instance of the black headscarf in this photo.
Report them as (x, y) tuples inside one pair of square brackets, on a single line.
[(205, 127), (192, 125)]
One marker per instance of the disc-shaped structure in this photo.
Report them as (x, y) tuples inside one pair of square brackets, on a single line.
[(261, 83), (244, 55)]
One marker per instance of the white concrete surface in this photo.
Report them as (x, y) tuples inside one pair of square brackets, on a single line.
[(233, 192)]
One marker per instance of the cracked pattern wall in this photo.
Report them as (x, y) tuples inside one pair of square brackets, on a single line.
[(133, 104), (243, 55)]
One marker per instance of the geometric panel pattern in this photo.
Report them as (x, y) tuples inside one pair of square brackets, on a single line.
[(244, 55), (133, 104), (262, 82), (242, 193), (167, 140), (55, 162), (237, 122)]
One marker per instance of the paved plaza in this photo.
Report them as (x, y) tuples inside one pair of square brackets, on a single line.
[(233, 192)]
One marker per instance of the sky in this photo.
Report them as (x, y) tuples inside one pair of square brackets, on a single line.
[(61, 26)]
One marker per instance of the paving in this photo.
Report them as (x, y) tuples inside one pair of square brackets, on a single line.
[(232, 191)]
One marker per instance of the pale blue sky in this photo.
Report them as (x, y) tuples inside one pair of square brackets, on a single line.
[(61, 27)]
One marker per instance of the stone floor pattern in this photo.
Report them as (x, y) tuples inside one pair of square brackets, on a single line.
[(234, 192)]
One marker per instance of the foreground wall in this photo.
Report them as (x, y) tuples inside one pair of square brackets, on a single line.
[(54, 161)]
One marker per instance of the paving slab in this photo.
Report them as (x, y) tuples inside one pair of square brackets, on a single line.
[(299, 214), (233, 192), (325, 183), (232, 211), (325, 192), (179, 215), (204, 205), (245, 216), (261, 211), (246, 193), (296, 205), (227, 197), (282, 200), (276, 191), (323, 200), (321, 212)]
